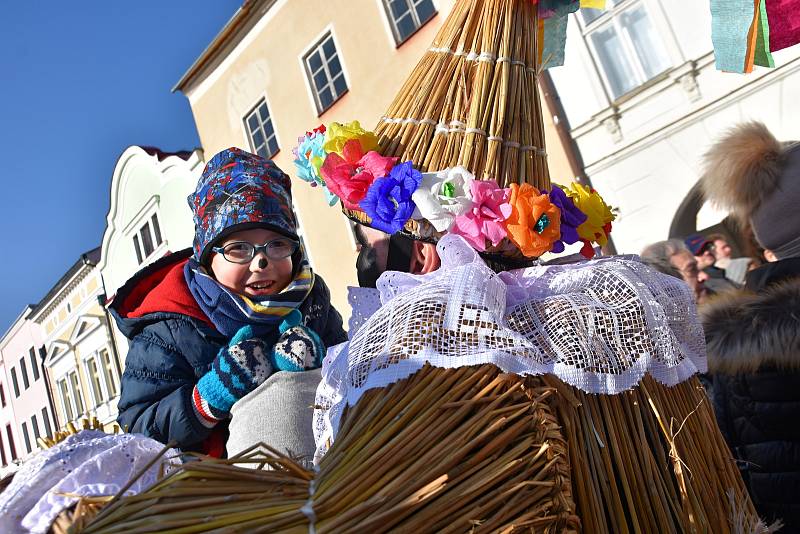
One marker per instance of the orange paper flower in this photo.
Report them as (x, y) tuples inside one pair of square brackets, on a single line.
[(535, 222)]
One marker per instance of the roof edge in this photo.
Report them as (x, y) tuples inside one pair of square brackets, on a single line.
[(226, 35)]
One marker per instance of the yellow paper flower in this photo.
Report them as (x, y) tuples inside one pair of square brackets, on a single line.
[(338, 134), (598, 213)]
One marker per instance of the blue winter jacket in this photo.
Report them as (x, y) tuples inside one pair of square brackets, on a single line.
[(172, 344)]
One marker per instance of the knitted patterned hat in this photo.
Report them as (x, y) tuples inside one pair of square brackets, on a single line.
[(237, 191)]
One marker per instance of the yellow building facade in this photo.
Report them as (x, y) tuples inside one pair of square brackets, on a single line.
[(82, 366), (281, 67)]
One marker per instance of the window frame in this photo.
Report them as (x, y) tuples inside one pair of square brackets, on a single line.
[(66, 398), (35, 427), (34, 366), (12, 447), (3, 459), (611, 17), (318, 43), (23, 369), (96, 384), (2, 395), (46, 421), (15, 382), (418, 23), (110, 372), (255, 109), (134, 232), (26, 437)]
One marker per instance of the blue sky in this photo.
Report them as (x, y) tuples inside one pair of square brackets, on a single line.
[(80, 82)]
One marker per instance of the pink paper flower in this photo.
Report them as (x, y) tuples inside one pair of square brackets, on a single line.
[(485, 219), (350, 175)]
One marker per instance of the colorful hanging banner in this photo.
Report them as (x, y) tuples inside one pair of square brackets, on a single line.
[(746, 32)]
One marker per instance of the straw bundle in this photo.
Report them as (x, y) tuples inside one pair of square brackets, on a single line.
[(445, 450), (478, 450), (473, 99)]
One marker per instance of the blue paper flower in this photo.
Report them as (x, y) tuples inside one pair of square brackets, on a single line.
[(388, 201), (571, 218), (309, 156)]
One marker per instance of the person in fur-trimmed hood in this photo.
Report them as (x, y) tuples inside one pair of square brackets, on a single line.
[(753, 336)]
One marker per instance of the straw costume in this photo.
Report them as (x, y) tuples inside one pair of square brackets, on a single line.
[(547, 399)]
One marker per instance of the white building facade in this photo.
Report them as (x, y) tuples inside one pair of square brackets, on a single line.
[(644, 102), (148, 216)]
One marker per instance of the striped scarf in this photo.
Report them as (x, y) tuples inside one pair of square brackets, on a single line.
[(230, 311)]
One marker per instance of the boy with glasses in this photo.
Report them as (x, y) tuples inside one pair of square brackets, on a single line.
[(209, 325)]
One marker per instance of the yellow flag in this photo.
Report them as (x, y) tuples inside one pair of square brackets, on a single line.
[(596, 4)]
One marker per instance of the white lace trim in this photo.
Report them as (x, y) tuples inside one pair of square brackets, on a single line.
[(598, 325)]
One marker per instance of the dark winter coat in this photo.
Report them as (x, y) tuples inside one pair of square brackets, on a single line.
[(172, 344), (754, 360)]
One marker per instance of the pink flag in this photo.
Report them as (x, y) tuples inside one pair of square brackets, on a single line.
[(784, 23)]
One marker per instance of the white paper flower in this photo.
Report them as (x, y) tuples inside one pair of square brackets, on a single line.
[(442, 196)]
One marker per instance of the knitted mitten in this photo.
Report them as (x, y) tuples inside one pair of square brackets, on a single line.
[(237, 370), (298, 348)]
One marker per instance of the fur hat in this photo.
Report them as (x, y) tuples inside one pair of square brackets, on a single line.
[(757, 178), (238, 191)]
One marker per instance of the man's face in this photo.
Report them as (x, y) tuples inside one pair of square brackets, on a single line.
[(722, 249), (706, 258), (692, 275)]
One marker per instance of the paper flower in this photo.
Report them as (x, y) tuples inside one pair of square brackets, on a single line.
[(350, 175), (389, 200), (309, 156), (534, 221), (442, 196), (571, 218), (598, 217), (339, 134), (484, 219)]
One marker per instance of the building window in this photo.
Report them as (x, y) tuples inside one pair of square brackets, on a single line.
[(66, 403), (46, 420), (35, 426), (34, 364), (324, 71), (2, 396), (26, 437), (406, 16), (147, 239), (110, 373), (23, 367), (11, 447), (94, 378), (3, 459), (625, 44), (261, 132), (15, 382), (76, 393)]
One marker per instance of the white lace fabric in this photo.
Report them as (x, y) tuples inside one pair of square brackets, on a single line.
[(598, 325), (89, 463)]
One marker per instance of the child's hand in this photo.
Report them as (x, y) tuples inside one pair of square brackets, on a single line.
[(299, 348), (237, 370)]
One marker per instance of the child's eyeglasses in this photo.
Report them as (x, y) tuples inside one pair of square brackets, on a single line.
[(244, 252)]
